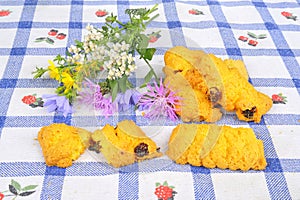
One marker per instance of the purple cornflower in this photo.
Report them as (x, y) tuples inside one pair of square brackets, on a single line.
[(92, 95), (57, 103), (159, 101), (124, 100)]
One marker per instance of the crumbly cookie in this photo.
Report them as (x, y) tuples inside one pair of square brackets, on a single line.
[(124, 144), (199, 97), (62, 144), (239, 95), (213, 146), (217, 85)]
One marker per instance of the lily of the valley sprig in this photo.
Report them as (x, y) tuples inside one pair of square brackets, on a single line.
[(109, 51)]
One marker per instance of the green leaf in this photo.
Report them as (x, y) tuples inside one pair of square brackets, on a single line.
[(148, 54), (49, 41), (104, 28), (122, 83), (136, 11), (146, 18), (23, 194), (148, 77), (12, 189), (143, 41), (262, 36), (165, 183), (16, 185), (68, 53), (39, 72), (78, 43), (252, 35), (29, 187), (157, 184), (172, 187), (114, 89), (40, 39)]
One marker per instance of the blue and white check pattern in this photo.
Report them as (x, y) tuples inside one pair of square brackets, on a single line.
[(273, 66)]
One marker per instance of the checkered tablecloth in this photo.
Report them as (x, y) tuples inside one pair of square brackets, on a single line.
[(212, 25)]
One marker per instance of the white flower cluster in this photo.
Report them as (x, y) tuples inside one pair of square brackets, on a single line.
[(77, 54), (115, 57), (119, 62), (89, 39)]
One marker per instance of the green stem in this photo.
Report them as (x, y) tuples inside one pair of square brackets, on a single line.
[(120, 23), (10, 195), (155, 76), (110, 26), (154, 8), (151, 19)]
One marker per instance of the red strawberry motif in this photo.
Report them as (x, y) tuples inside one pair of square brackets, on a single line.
[(279, 99), (29, 99), (101, 13), (195, 12), (289, 15), (252, 43), (1, 196), (164, 192), (255, 37), (243, 38), (286, 14), (32, 101), (4, 13), (52, 32), (61, 36), (153, 37)]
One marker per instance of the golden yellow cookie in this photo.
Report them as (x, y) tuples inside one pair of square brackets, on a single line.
[(195, 105), (62, 144), (199, 97), (124, 144), (213, 83), (213, 146), (239, 95)]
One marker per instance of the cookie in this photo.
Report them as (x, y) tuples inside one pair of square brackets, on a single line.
[(215, 146)]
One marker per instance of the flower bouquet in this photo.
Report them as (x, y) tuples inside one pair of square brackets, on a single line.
[(97, 70)]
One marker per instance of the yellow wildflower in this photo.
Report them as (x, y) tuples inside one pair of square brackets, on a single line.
[(53, 71), (67, 80), (78, 68)]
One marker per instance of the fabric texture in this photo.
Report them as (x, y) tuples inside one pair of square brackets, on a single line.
[(269, 47)]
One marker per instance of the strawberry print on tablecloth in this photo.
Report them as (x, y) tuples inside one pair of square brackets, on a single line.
[(289, 15), (279, 98), (164, 191), (4, 13), (154, 36), (33, 101), (254, 40), (53, 34), (16, 190), (101, 13), (195, 12)]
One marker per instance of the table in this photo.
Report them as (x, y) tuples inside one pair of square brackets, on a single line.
[(264, 34)]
